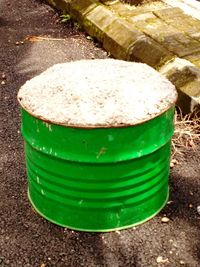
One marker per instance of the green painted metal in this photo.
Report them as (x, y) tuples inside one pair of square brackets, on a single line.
[(99, 179)]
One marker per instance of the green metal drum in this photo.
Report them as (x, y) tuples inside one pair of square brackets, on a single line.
[(98, 179)]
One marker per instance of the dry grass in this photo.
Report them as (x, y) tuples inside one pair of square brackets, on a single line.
[(187, 132)]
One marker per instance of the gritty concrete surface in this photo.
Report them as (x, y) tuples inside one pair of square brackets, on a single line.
[(154, 33), (99, 97), (28, 240)]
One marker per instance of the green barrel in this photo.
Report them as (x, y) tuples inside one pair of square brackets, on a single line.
[(98, 179)]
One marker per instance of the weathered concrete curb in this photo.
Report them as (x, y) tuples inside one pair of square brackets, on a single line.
[(157, 34)]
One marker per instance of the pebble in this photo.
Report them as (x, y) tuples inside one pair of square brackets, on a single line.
[(17, 43), (173, 163), (190, 205), (3, 83), (165, 220), (182, 262), (160, 259), (89, 38), (198, 209)]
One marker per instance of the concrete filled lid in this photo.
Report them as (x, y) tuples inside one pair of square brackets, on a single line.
[(97, 93)]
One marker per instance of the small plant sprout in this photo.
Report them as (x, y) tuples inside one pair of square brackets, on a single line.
[(65, 18)]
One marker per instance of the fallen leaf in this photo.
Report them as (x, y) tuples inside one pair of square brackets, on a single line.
[(32, 38)]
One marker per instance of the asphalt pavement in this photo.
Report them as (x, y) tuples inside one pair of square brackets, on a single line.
[(32, 38)]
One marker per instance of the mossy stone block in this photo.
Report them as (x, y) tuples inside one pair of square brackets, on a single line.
[(119, 36), (63, 5), (97, 20), (148, 51), (166, 35), (79, 9)]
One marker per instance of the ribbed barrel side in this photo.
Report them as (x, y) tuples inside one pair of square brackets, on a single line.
[(98, 179)]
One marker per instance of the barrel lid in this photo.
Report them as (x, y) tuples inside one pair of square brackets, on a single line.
[(97, 93)]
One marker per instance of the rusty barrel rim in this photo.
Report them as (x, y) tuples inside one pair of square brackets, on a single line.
[(170, 105)]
